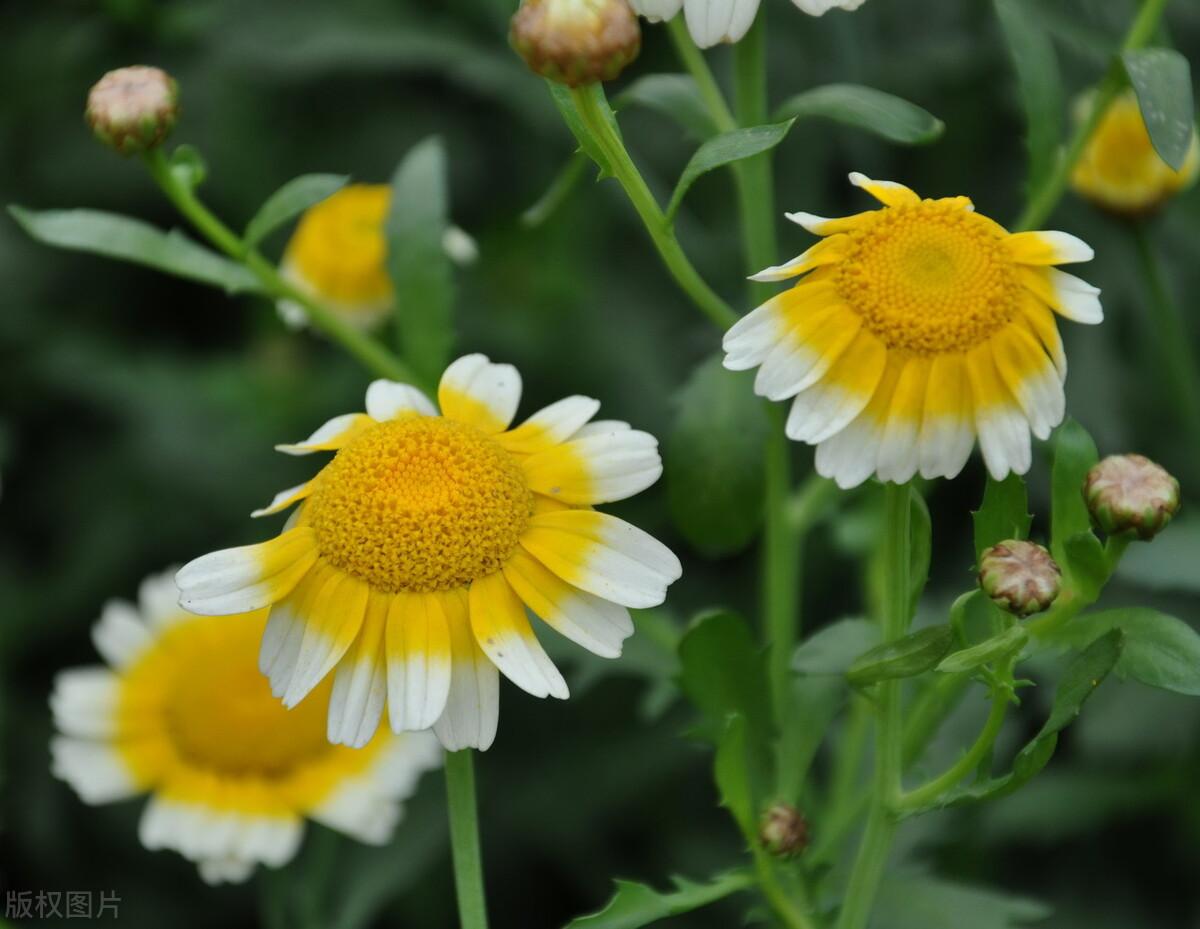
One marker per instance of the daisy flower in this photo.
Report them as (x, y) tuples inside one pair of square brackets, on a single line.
[(713, 21), (1119, 169), (914, 329), (408, 567), (182, 713)]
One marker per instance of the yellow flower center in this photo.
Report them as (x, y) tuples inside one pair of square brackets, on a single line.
[(339, 246), (929, 278), (420, 504)]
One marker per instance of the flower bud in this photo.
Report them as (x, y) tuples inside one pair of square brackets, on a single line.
[(1130, 493), (783, 830), (133, 109), (576, 42), (1020, 577)]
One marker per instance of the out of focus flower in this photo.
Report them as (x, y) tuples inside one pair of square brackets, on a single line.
[(1130, 493), (133, 109), (783, 830), (416, 550), (1020, 577), (1119, 169), (182, 712), (713, 21), (576, 42), (914, 329)]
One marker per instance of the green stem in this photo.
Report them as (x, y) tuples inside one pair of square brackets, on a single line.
[(464, 839), (781, 561), (1043, 201), (756, 188), (372, 355), (881, 820), (693, 60), (597, 124)]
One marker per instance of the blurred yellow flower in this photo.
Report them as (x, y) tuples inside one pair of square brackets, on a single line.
[(914, 329), (408, 567), (1119, 169), (183, 713)]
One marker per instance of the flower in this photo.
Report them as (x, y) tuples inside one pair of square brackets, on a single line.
[(133, 109), (337, 256), (1119, 169), (1130, 493), (408, 566), (914, 329), (576, 42), (1020, 577), (713, 21), (181, 712)]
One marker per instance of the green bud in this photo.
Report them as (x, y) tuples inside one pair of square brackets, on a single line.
[(1130, 493), (133, 109), (1020, 577), (783, 831), (576, 42)]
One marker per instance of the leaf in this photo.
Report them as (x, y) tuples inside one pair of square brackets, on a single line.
[(1162, 80), (813, 702), (635, 905), (913, 900), (998, 646), (674, 96), (556, 194), (712, 456), (725, 149), (289, 201), (739, 771), (907, 656), (832, 650), (417, 261), (1160, 650), (1086, 564), (724, 672), (1040, 85), (920, 548), (127, 239), (1168, 564), (566, 108), (1003, 514), (883, 114), (1074, 455)]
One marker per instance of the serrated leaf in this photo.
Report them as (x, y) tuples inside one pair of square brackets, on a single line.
[(674, 96), (128, 239), (866, 108), (724, 149), (835, 648), (1162, 80), (712, 460), (635, 905), (566, 108), (1074, 455), (1003, 514), (417, 261), (997, 647), (907, 656), (1160, 650), (724, 672), (289, 201), (739, 770)]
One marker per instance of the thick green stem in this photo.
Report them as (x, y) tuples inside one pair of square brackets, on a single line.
[(464, 839), (1043, 201), (781, 563), (647, 207), (756, 187), (372, 355)]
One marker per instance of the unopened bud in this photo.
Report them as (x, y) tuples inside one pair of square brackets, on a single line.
[(783, 830), (1130, 493), (133, 109), (576, 42), (1020, 577)]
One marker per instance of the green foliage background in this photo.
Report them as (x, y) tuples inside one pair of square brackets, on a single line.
[(137, 415)]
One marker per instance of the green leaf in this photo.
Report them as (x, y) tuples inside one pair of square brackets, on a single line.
[(1040, 85), (712, 456), (725, 149), (674, 96), (920, 548), (997, 647), (1162, 80), (556, 194), (288, 202), (813, 702), (1160, 650), (1086, 564), (417, 260), (1003, 515), (833, 650), (1074, 455), (739, 770), (913, 900), (566, 108), (883, 114), (724, 672), (635, 905), (127, 239), (907, 656)]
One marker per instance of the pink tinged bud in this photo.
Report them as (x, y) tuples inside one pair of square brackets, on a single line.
[(783, 831), (133, 109), (576, 42), (1130, 493), (1020, 577)]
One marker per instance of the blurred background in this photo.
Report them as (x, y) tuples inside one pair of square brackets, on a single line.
[(138, 412)]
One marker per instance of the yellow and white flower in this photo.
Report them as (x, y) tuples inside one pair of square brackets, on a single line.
[(181, 712), (914, 329), (714, 21), (1119, 169), (407, 569), (338, 256)]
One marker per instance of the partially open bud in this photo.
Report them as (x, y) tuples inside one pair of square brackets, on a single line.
[(783, 830), (133, 109), (576, 42), (1130, 493), (1020, 577)]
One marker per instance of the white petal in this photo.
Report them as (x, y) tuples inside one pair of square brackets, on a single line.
[(84, 702), (599, 468), (330, 436), (1077, 299), (475, 391), (848, 457), (239, 580), (473, 704), (225, 870), (419, 653), (158, 599), (820, 7), (751, 338), (1004, 441), (387, 400), (656, 10), (360, 683), (120, 635), (285, 498), (94, 770), (503, 633), (551, 425), (713, 21)]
